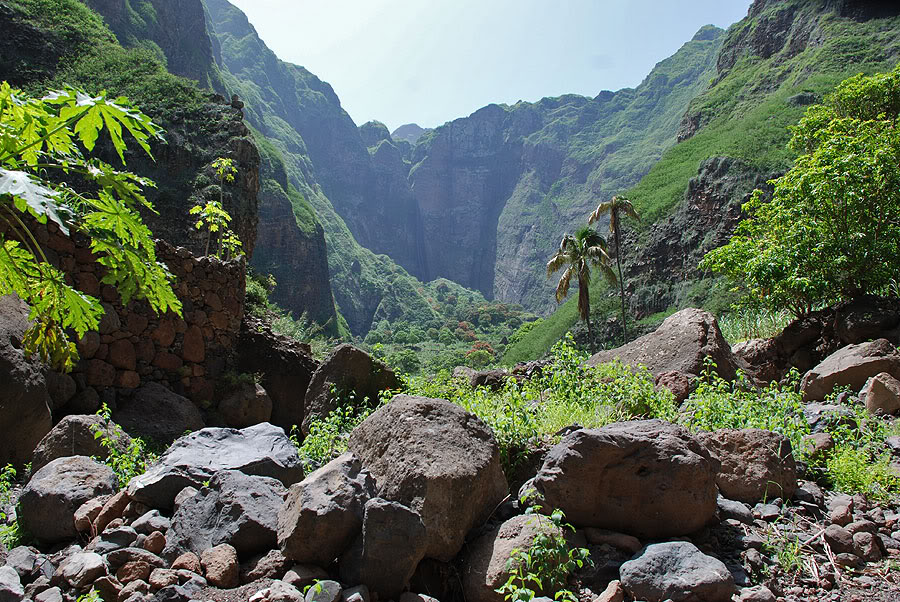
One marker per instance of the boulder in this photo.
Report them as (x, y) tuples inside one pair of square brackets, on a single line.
[(485, 562), (324, 591), (353, 375), (221, 566), (756, 464), (237, 509), (438, 460), (154, 412), (80, 570), (761, 358), (882, 395), (55, 492), (24, 406), (865, 318), (262, 450), (74, 436), (647, 478), (850, 366), (323, 514), (676, 571), (681, 344), (245, 406), (271, 565), (11, 589), (286, 367), (388, 550)]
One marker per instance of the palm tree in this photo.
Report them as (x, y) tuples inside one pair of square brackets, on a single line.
[(579, 253), (615, 206)]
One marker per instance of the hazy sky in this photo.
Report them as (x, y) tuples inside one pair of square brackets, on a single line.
[(430, 61)]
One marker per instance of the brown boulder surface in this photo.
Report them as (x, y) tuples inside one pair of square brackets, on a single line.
[(850, 366), (756, 464), (882, 394), (438, 460), (647, 478), (286, 367), (681, 344), (350, 372), (74, 436)]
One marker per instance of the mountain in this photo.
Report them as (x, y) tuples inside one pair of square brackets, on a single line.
[(409, 132), (784, 56)]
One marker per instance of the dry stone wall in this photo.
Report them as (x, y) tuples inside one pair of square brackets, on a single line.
[(134, 345)]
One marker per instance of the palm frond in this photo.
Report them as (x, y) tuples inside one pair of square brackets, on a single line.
[(562, 289), (602, 208)]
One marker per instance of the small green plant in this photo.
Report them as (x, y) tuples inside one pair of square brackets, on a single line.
[(546, 565), (213, 218), (126, 463), (91, 596), (853, 470), (327, 437), (11, 533)]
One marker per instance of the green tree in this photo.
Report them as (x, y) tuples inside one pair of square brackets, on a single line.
[(42, 141), (615, 207), (212, 216), (831, 230), (578, 254)]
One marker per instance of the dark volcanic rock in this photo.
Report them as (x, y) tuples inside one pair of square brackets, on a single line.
[(159, 414)]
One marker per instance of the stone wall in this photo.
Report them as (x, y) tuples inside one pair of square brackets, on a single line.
[(134, 345)]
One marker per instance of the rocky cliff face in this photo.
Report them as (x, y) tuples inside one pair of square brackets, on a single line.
[(176, 29)]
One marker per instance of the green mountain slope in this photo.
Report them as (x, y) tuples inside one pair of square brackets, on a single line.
[(785, 55)]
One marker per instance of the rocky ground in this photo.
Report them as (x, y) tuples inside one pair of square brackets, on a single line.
[(419, 508)]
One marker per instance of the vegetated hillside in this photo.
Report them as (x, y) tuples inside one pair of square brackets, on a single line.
[(51, 43), (324, 158), (784, 56)]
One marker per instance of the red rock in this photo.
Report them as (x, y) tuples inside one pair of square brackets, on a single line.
[(128, 379), (100, 374), (221, 566), (122, 356), (112, 509), (189, 562), (155, 542), (137, 570), (165, 333), (194, 347), (168, 362)]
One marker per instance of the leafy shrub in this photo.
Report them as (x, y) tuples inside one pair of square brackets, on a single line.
[(126, 463), (546, 565), (327, 438), (830, 230), (853, 470)]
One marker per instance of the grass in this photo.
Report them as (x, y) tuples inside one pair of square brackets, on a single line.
[(745, 324)]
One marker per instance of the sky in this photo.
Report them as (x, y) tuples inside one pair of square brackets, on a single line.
[(432, 61)]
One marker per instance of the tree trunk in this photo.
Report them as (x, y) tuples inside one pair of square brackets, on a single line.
[(621, 288), (584, 307), (590, 335)]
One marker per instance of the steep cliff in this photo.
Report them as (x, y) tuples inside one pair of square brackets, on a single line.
[(784, 56), (326, 162)]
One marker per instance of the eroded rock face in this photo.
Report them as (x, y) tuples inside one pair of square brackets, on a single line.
[(323, 514), (756, 464), (437, 459), (24, 405), (647, 478), (681, 344), (350, 372), (676, 571), (262, 450), (485, 562), (850, 366), (237, 509), (55, 492)]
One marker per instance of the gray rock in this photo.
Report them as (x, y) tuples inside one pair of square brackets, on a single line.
[(279, 591), (271, 565), (150, 522), (850, 366), (767, 512), (262, 450), (173, 593), (154, 412), (324, 591), (24, 405), (53, 594), (756, 464), (117, 558), (113, 539), (80, 570), (438, 460), (50, 499), (11, 589), (646, 478), (820, 416), (352, 372), (237, 509), (24, 560), (676, 571), (74, 436), (681, 344), (323, 514), (809, 492), (760, 593), (734, 510), (360, 593), (386, 554)]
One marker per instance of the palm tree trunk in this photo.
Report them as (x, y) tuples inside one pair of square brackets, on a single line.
[(621, 288), (584, 306), (591, 335)]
